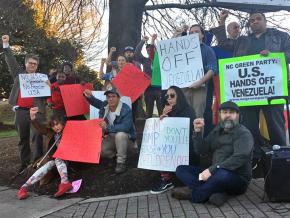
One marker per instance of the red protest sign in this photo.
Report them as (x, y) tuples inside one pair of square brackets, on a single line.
[(88, 86), (81, 141), (131, 82), (73, 99)]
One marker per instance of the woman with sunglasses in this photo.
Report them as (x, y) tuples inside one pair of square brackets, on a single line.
[(176, 106), (53, 136)]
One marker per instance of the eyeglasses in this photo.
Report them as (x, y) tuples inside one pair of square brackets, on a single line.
[(32, 63), (171, 95)]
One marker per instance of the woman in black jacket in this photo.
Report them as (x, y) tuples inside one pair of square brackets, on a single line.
[(176, 106)]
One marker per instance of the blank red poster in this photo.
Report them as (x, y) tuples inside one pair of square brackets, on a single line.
[(73, 99), (81, 141), (131, 82)]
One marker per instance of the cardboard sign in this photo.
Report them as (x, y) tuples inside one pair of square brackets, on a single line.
[(131, 82), (81, 141), (259, 2), (165, 144), (73, 99), (156, 76), (180, 61), (250, 80), (94, 112), (34, 85)]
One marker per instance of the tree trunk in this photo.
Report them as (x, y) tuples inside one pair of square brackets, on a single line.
[(125, 21)]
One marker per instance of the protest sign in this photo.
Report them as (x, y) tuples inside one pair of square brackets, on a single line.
[(34, 85), (165, 144), (250, 80), (73, 99), (259, 2), (94, 112), (81, 141), (131, 82), (156, 76), (180, 61)]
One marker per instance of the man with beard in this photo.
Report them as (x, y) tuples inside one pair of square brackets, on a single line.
[(230, 145)]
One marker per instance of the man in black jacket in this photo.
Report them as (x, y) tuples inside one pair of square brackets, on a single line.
[(262, 41), (231, 145)]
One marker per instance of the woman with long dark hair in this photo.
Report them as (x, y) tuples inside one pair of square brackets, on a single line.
[(176, 106)]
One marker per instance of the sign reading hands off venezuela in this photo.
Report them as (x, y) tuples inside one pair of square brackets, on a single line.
[(81, 141), (131, 82), (165, 144), (180, 61), (250, 80)]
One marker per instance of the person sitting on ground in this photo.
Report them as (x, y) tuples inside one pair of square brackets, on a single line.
[(53, 134), (118, 127), (55, 101), (176, 106), (231, 145)]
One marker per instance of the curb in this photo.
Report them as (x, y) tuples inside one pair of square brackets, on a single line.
[(107, 198)]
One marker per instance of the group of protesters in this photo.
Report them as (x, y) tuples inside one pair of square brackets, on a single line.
[(234, 139)]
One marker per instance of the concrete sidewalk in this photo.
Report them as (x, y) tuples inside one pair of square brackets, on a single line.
[(33, 206), (141, 204)]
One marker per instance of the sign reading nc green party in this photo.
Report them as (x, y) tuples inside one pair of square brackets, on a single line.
[(250, 80)]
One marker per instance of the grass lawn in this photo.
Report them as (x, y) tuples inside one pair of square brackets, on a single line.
[(8, 133)]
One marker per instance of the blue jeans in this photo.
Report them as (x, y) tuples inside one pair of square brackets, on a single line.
[(220, 181)]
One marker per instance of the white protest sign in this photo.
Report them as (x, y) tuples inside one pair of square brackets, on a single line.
[(180, 61), (165, 144), (251, 80), (34, 85), (94, 112), (259, 2)]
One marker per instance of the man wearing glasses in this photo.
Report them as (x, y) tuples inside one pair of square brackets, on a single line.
[(23, 105)]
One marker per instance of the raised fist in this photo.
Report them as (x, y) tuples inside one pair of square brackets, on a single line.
[(154, 36), (103, 60), (145, 38), (5, 39), (224, 14), (113, 49)]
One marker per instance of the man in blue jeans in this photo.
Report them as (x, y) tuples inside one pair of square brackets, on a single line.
[(231, 146)]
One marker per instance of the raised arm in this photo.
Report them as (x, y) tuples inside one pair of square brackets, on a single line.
[(109, 59), (101, 72), (13, 65)]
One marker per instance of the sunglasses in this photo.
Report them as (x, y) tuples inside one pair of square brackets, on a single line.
[(170, 95)]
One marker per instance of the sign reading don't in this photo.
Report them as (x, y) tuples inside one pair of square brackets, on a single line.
[(165, 144)]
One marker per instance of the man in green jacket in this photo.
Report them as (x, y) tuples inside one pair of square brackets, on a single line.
[(231, 147)]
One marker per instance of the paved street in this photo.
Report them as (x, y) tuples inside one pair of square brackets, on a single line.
[(147, 205)]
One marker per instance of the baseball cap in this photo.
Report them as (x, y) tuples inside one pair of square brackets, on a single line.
[(229, 105), (112, 90), (129, 48)]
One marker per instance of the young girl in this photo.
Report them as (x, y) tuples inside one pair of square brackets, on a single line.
[(53, 134)]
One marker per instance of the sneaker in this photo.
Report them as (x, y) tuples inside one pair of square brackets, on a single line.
[(218, 199), (120, 168), (63, 188), (255, 163), (22, 193), (181, 193), (162, 186)]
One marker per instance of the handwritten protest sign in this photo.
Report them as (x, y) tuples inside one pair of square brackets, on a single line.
[(34, 85), (165, 144), (73, 99), (81, 141), (180, 61), (131, 82), (259, 2), (250, 80), (94, 112), (156, 76)]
